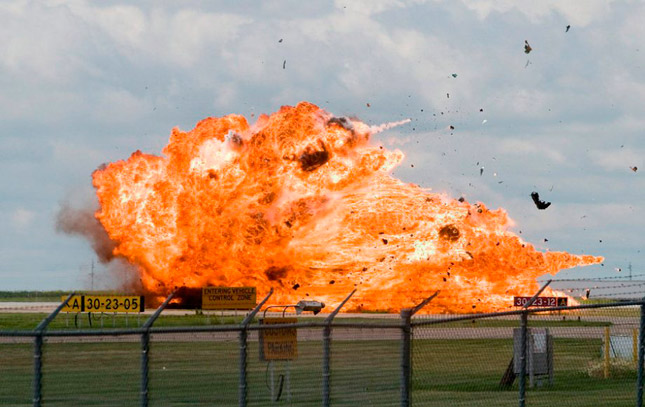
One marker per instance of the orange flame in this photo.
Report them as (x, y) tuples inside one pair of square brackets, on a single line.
[(302, 202)]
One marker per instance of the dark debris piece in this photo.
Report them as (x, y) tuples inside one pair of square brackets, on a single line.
[(538, 203), (449, 232), (274, 273), (311, 159), (332, 282), (296, 286), (567, 30), (384, 241), (634, 168), (527, 47), (284, 64)]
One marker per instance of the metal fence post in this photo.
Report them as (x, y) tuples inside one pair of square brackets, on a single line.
[(406, 356), (523, 332), (523, 337), (641, 357), (38, 351), (38, 363), (145, 350), (145, 347), (327, 351), (242, 387), (406, 348)]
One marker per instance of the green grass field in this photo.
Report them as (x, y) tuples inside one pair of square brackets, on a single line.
[(28, 321), (445, 373), (456, 369)]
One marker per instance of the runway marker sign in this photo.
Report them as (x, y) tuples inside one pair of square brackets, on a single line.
[(104, 303), (541, 301)]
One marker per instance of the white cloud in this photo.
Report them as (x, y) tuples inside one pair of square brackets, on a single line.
[(181, 38), (119, 106), (577, 12), (22, 218), (516, 146), (368, 7), (618, 159)]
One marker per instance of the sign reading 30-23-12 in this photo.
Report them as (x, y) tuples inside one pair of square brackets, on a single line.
[(104, 303)]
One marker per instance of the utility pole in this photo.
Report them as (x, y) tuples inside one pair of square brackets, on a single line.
[(92, 275)]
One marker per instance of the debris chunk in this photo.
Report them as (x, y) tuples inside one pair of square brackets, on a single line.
[(296, 286), (454, 75), (527, 47), (634, 168), (284, 64), (538, 203), (310, 159), (449, 232), (280, 40), (567, 30), (274, 273)]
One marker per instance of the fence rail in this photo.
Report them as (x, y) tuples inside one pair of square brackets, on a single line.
[(570, 356)]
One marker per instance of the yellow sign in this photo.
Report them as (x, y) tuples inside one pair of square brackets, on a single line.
[(104, 303), (281, 343), (232, 298), (75, 304)]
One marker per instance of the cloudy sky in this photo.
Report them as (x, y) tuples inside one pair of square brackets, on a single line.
[(83, 83)]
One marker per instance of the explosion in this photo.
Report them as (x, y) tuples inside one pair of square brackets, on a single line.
[(301, 201)]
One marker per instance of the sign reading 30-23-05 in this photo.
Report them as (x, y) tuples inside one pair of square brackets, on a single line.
[(104, 303)]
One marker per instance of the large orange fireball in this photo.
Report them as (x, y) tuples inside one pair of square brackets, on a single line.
[(301, 201)]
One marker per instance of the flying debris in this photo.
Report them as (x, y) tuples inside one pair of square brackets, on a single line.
[(527, 47), (634, 168), (567, 29), (454, 75), (284, 64), (481, 171), (539, 204)]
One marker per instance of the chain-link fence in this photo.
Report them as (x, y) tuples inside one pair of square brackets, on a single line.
[(570, 356), (566, 356)]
